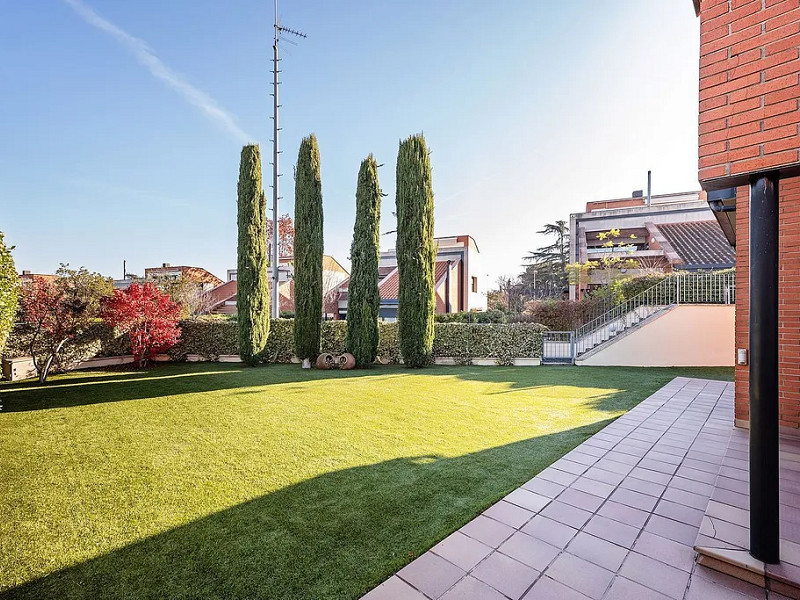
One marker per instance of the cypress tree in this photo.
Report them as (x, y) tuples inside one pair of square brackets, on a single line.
[(252, 285), (9, 290), (416, 254), (364, 300), (308, 248)]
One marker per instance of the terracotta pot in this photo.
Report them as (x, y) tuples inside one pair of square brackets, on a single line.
[(325, 361), (347, 361)]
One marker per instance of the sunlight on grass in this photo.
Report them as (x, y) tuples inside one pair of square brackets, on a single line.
[(218, 482)]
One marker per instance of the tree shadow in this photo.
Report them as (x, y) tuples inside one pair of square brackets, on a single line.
[(331, 537), (158, 381)]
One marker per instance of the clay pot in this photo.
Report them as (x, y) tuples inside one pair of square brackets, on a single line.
[(347, 361), (325, 361)]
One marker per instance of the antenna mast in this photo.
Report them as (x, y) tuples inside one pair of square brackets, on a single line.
[(275, 299)]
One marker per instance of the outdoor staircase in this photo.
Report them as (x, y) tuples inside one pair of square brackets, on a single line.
[(564, 347)]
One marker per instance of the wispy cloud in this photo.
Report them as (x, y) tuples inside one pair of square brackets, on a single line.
[(159, 70)]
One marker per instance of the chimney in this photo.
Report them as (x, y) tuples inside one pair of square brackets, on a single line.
[(26, 272), (165, 265), (649, 186)]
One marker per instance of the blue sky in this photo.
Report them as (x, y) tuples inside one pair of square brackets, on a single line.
[(120, 147)]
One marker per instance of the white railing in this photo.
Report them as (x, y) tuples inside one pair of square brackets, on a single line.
[(682, 288)]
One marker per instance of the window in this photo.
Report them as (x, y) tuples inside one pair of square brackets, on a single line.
[(475, 285)]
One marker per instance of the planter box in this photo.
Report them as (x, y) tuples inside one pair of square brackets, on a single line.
[(230, 358), (19, 368), (488, 362), (103, 361), (527, 362)]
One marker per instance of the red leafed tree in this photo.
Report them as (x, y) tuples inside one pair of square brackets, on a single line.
[(149, 317), (285, 235)]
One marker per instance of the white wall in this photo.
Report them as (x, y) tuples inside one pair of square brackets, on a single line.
[(689, 335)]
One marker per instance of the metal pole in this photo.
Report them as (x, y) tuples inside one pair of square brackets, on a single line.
[(275, 226), (764, 487)]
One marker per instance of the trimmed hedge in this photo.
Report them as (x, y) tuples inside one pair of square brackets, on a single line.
[(214, 336), (486, 316)]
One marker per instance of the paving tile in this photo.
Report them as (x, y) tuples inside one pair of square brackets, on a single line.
[(596, 488), (548, 589), (649, 475), (625, 589), (598, 551), (655, 574), (462, 550), (529, 550), (624, 514), (556, 476), (509, 514), (667, 551), (678, 532), (688, 485), (580, 499), (554, 533), (568, 466), (431, 574), (566, 514), (634, 499), (528, 500), (604, 476), (394, 588), (691, 499), (731, 514), (679, 512), (615, 467), (579, 457), (643, 487), (544, 487), (612, 531), (487, 531), (726, 532), (470, 588), (581, 575), (506, 575)]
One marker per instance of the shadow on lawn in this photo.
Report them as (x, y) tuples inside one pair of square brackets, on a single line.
[(331, 537)]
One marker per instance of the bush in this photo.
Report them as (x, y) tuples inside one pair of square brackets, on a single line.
[(9, 291), (562, 315), (487, 316), (213, 336)]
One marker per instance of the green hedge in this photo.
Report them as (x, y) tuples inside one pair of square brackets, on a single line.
[(486, 316), (214, 336)]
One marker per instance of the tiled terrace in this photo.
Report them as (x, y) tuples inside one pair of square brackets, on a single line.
[(616, 518)]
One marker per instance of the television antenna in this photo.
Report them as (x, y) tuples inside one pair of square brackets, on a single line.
[(279, 29)]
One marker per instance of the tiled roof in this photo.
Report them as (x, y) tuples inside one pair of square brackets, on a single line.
[(699, 244), (222, 293), (389, 287)]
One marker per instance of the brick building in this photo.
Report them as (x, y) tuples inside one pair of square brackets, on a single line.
[(749, 163)]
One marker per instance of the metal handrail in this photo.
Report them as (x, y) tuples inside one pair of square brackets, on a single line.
[(680, 288)]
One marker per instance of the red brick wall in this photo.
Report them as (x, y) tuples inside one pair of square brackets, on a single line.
[(749, 86), (789, 299), (610, 204)]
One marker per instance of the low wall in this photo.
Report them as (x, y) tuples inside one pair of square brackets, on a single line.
[(688, 335)]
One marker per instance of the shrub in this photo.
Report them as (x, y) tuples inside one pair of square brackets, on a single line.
[(487, 316), (364, 299), (149, 317), (9, 291), (308, 247), (416, 254), (252, 291), (562, 315), (502, 342)]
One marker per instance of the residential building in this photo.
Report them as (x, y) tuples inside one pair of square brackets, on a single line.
[(27, 278), (665, 232), (749, 163), (333, 275), (460, 283)]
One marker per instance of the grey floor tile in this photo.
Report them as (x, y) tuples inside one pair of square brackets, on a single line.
[(506, 575), (529, 550), (470, 588), (431, 574)]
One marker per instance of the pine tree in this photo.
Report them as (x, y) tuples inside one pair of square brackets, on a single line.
[(363, 297), (252, 283), (416, 253), (308, 248)]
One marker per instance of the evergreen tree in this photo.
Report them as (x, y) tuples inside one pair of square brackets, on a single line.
[(363, 297), (308, 248), (546, 274), (9, 290), (252, 283), (416, 254)]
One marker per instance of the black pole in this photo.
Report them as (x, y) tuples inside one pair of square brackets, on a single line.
[(764, 504)]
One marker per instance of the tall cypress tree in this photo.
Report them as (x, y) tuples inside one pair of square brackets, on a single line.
[(308, 248), (9, 290), (416, 253), (252, 285), (364, 300)]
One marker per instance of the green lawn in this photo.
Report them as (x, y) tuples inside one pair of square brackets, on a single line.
[(216, 481)]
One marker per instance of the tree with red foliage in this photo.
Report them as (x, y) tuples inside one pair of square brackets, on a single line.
[(149, 317), (285, 236), (57, 317)]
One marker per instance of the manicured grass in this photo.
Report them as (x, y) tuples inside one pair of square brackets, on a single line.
[(217, 481)]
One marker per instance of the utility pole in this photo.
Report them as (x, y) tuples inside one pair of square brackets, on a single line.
[(275, 174)]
